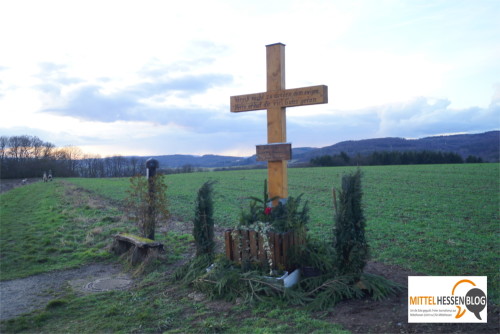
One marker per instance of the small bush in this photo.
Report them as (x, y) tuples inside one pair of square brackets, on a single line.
[(203, 230), (144, 208), (349, 234)]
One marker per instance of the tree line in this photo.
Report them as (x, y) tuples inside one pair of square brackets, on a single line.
[(393, 158), (29, 156)]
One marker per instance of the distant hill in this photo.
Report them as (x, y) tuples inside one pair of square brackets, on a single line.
[(215, 161), (209, 160), (485, 145)]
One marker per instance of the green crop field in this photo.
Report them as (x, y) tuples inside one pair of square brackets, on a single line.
[(435, 219)]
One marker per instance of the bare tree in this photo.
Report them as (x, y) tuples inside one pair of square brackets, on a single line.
[(3, 147)]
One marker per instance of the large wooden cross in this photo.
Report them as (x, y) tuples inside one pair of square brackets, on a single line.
[(275, 100)]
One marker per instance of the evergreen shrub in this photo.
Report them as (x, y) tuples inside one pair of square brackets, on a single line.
[(350, 244), (203, 229)]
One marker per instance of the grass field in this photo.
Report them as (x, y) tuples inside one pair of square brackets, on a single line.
[(436, 219), (439, 220)]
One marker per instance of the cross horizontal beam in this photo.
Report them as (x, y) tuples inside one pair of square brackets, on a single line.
[(280, 98)]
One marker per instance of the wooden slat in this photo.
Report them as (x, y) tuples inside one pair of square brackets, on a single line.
[(253, 245), (228, 244), (236, 246), (277, 249), (286, 246), (281, 262)]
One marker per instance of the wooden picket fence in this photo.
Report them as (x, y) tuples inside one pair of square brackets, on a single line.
[(248, 246)]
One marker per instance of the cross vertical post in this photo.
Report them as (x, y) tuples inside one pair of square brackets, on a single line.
[(277, 175)]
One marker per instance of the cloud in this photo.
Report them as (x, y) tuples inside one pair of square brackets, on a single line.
[(495, 100), (47, 68), (89, 102), (204, 131), (53, 78), (3, 83), (185, 86), (156, 70), (416, 118), (426, 116), (171, 130)]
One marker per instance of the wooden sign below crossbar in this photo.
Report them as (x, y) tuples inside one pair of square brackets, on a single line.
[(274, 152), (283, 98)]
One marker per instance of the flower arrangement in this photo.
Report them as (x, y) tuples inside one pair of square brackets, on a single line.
[(287, 215)]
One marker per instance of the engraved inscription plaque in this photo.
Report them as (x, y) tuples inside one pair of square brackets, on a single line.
[(274, 152), (284, 98)]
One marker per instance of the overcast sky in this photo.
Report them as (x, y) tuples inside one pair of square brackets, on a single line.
[(154, 77)]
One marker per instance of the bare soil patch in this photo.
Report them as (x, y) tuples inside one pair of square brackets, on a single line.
[(31, 293), (391, 315)]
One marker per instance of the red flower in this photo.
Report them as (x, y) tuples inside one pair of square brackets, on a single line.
[(267, 211)]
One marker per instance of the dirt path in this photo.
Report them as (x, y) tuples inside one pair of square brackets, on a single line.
[(8, 184), (23, 295)]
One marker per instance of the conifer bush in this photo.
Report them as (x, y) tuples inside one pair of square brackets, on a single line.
[(203, 230), (349, 233)]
